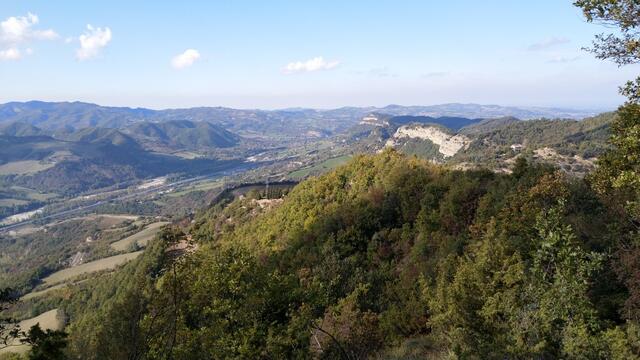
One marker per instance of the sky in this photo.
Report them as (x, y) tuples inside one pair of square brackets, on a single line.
[(321, 54)]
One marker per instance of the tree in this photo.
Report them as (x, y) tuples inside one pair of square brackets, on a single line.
[(347, 331), (619, 171), (622, 48), (9, 328), (46, 345), (490, 303), (560, 278), (620, 167), (617, 178)]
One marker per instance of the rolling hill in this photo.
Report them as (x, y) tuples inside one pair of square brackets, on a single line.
[(182, 134), (21, 129), (101, 136), (76, 115), (492, 143), (99, 158)]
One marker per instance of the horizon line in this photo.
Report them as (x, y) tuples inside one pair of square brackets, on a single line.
[(373, 107)]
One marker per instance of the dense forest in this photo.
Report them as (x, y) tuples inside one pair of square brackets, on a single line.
[(386, 257)]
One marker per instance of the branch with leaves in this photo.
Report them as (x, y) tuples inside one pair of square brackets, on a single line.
[(622, 46)]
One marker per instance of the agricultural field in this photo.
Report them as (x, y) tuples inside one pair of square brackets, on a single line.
[(12, 202), (104, 222), (108, 263), (140, 238), (202, 186), (24, 230), (33, 194), (320, 167), (35, 294), (110, 221), (24, 167)]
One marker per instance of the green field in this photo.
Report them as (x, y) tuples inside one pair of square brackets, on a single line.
[(110, 221), (321, 167), (34, 194), (24, 167), (52, 319), (141, 238), (102, 264), (42, 196), (204, 186)]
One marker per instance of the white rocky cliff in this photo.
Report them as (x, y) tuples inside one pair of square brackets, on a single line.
[(448, 144)]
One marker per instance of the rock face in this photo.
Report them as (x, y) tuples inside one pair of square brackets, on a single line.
[(448, 144)]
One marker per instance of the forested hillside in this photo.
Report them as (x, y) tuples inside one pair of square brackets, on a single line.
[(386, 257), (182, 134), (587, 137), (487, 143)]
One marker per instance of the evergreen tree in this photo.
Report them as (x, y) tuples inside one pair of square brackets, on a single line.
[(46, 345)]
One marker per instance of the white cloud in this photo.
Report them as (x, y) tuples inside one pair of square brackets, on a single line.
[(315, 64), (186, 59), (548, 43), (17, 31), (92, 42), (10, 54)]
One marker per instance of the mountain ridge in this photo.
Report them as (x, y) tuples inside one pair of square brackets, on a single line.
[(58, 115)]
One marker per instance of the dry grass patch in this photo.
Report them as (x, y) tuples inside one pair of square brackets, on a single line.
[(109, 263), (24, 167), (140, 238), (52, 319)]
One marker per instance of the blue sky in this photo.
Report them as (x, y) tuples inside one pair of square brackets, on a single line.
[(277, 54)]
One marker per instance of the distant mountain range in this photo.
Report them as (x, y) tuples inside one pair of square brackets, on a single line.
[(287, 122), (489, 111), (172, 134), (453, 123)]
